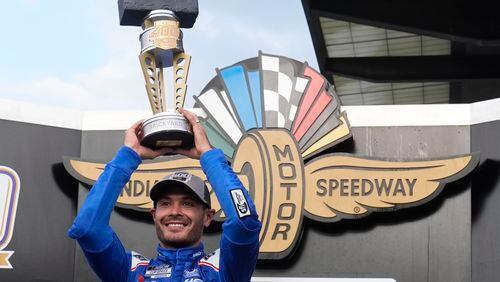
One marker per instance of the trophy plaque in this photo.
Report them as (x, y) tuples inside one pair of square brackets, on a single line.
[(162, 48)]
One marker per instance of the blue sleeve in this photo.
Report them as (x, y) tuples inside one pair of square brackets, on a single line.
[(112, 263), (239, 245), (102, 248)]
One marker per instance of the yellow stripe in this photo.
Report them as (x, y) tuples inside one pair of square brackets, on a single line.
[(330, 137)]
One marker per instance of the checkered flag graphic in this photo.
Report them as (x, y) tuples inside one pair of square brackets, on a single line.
[(282, 89)]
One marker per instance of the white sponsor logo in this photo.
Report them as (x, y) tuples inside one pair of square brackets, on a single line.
[(193, 280), (159, 271), (138, 260), (240, 202), (182, 176)]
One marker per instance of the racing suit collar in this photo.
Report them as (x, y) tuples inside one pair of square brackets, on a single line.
[(182, 254)]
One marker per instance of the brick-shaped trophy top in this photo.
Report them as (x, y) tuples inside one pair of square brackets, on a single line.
[(133, 12)]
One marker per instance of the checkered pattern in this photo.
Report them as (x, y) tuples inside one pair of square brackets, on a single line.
[(284, 93), (282, 90)]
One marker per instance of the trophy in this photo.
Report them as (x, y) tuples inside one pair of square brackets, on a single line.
[(161, 48)]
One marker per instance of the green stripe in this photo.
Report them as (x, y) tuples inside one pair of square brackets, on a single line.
[(217, 140)]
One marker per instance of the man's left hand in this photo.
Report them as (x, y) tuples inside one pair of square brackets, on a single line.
[(201, 143)]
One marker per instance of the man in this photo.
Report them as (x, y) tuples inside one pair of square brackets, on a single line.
[(181, 210)]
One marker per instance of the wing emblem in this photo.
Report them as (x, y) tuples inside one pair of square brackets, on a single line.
[(345, 186)]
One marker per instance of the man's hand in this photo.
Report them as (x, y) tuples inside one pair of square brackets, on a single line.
[(133, 135), (201, 143)]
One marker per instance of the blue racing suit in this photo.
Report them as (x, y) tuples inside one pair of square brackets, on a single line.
[(239, 243)]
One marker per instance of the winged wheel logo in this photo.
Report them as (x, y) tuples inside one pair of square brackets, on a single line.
[(270, 113)]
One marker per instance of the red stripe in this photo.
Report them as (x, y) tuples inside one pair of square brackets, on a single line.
[(315, 84), (139, 264), (208, 264), (314, 112)]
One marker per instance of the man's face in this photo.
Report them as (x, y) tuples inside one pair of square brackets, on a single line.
[(180, 218)]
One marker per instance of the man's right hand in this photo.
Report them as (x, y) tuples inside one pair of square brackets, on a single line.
[(201, 142), (133, 135)]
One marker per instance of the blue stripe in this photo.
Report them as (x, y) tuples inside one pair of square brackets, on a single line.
[(254, 78), (237, 88)]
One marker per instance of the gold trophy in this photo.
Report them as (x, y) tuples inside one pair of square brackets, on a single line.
[(161, 48)]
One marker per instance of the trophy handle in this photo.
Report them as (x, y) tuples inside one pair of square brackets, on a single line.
[(181, 64), (155, 86)]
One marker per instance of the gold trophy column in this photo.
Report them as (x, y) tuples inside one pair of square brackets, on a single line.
[(161, 47), (181, 70)]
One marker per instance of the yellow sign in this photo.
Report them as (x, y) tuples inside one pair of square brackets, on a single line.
[(268, 115), (165, 34), (284, 189)]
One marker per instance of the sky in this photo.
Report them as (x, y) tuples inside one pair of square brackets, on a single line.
[(74, 54)]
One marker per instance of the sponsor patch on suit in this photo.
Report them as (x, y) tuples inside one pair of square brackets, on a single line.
[(158, 271), (240, 202)]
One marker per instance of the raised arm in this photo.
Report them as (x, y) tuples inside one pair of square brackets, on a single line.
[(102, 248), (239, 245)]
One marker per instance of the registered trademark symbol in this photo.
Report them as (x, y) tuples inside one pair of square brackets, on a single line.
[(356, 209)]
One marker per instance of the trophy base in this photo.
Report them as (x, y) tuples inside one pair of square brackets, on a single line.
[(167, 129)]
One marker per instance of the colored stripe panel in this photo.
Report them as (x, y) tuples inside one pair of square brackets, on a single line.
[(237, 88), (313, 90), (318, 107), (254, 80), (229, 106), (215, 107), (218, 140), (329, 139)]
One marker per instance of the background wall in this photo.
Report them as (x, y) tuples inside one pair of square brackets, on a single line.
[(424, 243), (451, 238), (485, 200), (47, 200), (135, 229), (415, 244)]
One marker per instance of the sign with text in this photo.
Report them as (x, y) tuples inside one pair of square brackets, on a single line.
[(269, 114)]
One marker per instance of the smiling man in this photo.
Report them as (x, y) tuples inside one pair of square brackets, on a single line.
[(181, 210)]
